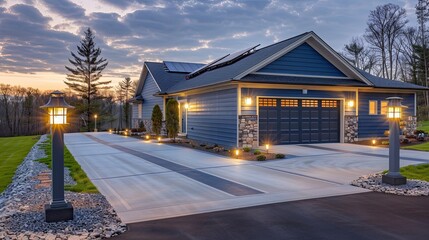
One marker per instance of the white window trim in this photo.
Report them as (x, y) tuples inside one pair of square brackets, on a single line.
[(376, 107), (381, 107)]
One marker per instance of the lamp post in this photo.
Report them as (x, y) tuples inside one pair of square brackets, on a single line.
[(58, 209), (95, 118), (394, 111)]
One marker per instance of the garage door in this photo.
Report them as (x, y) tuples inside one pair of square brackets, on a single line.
[(293, 121)]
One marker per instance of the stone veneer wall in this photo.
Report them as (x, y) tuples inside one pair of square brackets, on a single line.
[(248, 131), (350, 128), (410, 125)]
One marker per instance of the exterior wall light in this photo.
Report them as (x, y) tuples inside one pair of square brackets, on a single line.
[(351, 103), (186, 105), (248, 101), (394, 109), (58, 209)]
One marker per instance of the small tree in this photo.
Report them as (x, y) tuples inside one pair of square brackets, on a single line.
[(172, 118), (156, 120)]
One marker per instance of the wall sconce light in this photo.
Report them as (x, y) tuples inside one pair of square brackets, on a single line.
[(267, 146), (186, 105), (351, 103), (248, 101)]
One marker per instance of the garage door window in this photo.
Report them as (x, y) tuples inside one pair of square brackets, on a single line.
[(289, 102), (310, 103), (268, 102), (329, 104)]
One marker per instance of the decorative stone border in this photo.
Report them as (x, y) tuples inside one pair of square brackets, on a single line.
[(373, 182)]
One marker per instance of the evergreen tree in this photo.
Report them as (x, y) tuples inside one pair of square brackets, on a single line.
[(172, 118), (84, 77), (126, 87), (156, 120)]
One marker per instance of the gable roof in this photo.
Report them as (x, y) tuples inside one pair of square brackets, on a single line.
[(245, 70)]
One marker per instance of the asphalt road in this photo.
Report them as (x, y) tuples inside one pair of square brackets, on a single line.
[(356, 216)]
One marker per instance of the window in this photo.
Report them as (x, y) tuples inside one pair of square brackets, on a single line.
[(289, 102), (373, 107), (329, 104), (310, 103), (383, 109), (267, 102)]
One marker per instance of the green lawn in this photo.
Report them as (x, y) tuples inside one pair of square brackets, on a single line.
[(420, 171), (83, 183), (423, 126), (12, 152)]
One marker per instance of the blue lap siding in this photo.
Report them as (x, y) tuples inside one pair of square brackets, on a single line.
[(375, 125), (149, 100), (303, 60), (212, 117)]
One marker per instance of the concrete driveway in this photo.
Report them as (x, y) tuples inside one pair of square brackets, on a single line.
[(147, 180)]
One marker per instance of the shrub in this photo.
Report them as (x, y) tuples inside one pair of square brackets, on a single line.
[(385, 142), (280, 155), (261, 158), (156, 120), (247, 149), (256, 152), (172, 118), (141, 127)]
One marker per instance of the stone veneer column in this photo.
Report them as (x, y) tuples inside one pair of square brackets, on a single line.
[(350, 128), (248, 131), (410, 125)]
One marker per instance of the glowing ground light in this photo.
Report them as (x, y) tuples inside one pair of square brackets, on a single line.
[(267, 146), (374, 141), (237, 152)]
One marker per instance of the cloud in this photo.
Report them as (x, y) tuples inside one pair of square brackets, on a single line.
[(65, 8)]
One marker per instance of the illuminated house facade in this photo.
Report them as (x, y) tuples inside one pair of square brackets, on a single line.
[(295, 91)]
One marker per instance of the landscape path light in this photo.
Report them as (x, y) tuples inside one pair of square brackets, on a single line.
[(394, 112), (95, 118), (58, 209)]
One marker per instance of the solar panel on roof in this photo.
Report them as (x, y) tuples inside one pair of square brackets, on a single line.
[(225, 60), (181, 67)]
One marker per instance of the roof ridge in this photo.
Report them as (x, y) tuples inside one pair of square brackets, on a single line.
[(297, 36)]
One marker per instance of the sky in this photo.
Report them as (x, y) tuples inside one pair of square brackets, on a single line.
[(37, 36)]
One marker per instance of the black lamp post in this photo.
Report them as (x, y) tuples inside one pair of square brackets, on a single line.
[(394, 111), (58, 209)]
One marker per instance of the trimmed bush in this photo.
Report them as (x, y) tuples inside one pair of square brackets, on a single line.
[(172, 118), (156, 120), (261, 158), (246, 149), (280, 155), (256, 152)]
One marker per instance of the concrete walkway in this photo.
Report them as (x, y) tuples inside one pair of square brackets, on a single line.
[(147, 180)]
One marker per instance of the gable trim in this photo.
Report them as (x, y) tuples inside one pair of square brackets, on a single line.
[(305, 38), (299, 75), (152, 78)]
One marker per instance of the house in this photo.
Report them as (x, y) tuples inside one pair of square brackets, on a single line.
[(295, 91)]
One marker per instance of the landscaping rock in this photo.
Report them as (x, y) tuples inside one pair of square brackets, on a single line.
[(22, 207), (373, 182)]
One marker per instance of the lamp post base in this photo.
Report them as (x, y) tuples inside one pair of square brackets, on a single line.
[(58, 214), (394, 179)]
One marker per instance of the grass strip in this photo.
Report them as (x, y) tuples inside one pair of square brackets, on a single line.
[(83, 183)]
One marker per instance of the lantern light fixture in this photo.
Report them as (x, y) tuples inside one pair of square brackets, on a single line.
[(394, 108), (57, 108), (248, 101), (186, 105), (351, 103)]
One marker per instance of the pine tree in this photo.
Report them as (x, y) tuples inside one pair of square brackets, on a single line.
[(156, 120), (172, 118), (126, 87), (84, 77)]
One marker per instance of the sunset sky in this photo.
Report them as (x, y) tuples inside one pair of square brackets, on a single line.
[(36, 37)]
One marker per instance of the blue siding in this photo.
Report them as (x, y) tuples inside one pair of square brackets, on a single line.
[(292, 93), (212, 117), (375, 125), (303, 60), (149, 101)]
